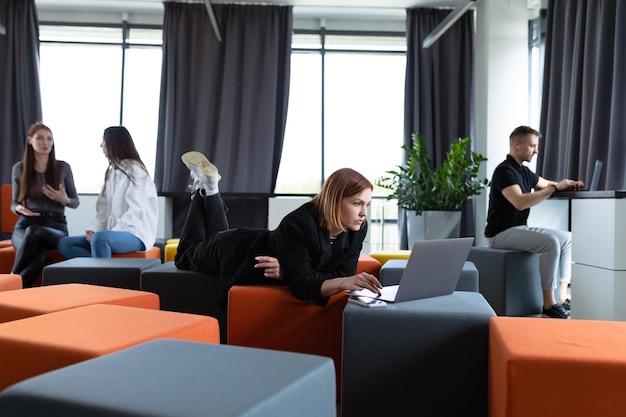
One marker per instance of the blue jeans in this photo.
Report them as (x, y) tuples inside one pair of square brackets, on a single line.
[(102, 245)]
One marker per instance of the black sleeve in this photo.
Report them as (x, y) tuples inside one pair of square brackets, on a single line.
[(504, 176), (307, 257), (16, 177), (68, 184)]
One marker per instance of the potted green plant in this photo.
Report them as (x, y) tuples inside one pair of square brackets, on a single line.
[(428, 191)]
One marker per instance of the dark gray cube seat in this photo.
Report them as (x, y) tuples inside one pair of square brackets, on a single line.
[(108, 272), (174, 378), (509, 280), (391, 272), (427, 357), (185, 292)]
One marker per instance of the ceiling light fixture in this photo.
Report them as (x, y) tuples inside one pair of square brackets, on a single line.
[(446, 23)]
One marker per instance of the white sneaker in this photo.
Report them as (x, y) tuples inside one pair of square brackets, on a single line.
[(205, 175), (196, 185)]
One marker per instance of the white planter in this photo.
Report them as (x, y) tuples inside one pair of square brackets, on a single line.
[(433, 225)]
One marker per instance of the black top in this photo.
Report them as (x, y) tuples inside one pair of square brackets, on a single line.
[(37, 201), (502, 214), (305, 251)]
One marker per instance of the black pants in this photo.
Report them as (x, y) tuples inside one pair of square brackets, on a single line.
[(198, 249), (207, 245), (32, 238)]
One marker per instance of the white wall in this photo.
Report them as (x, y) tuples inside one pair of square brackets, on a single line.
[(279, 207), (501, 54)]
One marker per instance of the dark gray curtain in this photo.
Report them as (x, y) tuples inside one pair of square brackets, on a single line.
[(439, 89), (20, 97), (226, 99), (583, 109)]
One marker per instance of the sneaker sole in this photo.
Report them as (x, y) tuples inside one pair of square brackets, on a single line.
[(196, 159), (545, 316)]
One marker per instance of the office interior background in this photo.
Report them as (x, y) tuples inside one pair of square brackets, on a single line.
[(101, 65)]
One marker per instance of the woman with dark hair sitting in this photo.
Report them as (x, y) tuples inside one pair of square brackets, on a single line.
[(126, 209), (42, 188), (314, 250)]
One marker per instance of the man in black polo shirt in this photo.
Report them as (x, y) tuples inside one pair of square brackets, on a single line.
[(510, 199)]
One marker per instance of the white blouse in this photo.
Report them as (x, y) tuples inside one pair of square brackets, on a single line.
[(127, 205)]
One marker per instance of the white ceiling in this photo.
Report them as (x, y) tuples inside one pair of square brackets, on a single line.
[(307, 9), (157, 4), (329, 5)]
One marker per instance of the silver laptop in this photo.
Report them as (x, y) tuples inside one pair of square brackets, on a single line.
[(433, 269), (595, 177)]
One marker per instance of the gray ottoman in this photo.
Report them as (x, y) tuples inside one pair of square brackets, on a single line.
[(391, 272), (171, 378), (420, 358), (108, 272), (185, 292), (509, 280)]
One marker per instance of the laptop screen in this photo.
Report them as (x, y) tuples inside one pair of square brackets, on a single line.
[(595, 177)]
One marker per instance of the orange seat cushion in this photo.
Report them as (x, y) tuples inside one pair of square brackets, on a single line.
[(34, 301), (7, 217), (7, 257), (545, 367), (270, 317), (39, 344), (10, 282), (153, 253), (368, 264)]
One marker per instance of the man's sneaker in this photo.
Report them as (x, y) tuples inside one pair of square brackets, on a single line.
[(204, 173), (557, 311), (567, 304)]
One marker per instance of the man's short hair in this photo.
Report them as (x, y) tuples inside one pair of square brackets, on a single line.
[(522, 132)]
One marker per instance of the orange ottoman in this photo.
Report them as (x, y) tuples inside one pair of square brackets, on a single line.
[(153, 253), (7, 258), (10, 282), (271, 317), (39, 344), (368, 264), (545, 367), (28, 302)]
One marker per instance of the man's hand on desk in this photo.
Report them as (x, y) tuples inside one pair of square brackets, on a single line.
[(569, 185)]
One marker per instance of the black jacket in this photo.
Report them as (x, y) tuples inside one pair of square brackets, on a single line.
[(303, 248)]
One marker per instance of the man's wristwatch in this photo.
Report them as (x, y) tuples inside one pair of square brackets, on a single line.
[(556, 189)]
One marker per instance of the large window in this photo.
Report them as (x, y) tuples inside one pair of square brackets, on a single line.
[(346, 107), (95, 77)]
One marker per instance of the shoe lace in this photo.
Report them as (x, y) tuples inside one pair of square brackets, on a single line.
[(559, 310)]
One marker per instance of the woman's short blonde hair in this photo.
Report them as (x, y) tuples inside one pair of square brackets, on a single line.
[(342, 183)]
